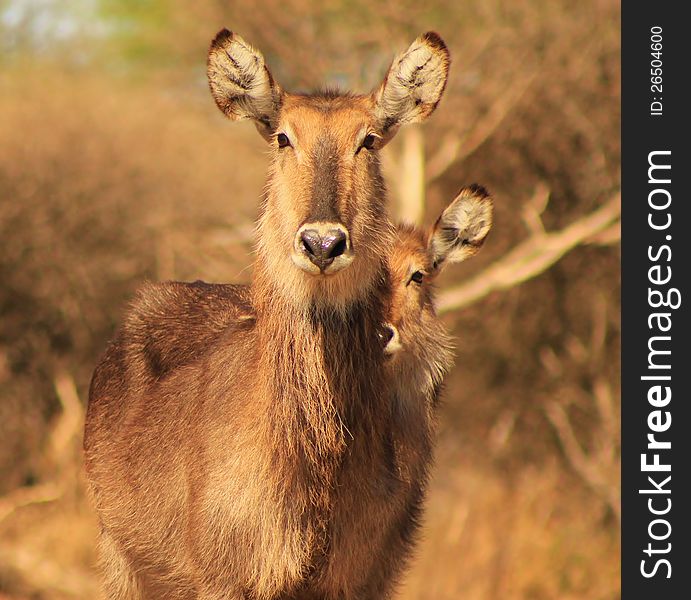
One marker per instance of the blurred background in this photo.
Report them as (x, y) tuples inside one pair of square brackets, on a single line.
[(116, 167)]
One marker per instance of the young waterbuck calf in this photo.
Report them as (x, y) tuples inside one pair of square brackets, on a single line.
[(419, 346), (419, 351), (262, 466)]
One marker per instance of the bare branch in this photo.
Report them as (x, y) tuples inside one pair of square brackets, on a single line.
[(598, 463), (501, 431), (410, 179), (69, 424), (608, 236), (533, 209), (26, 496), (447, 154), (455, 148), (598, 335), (530, 258), (609, 423), (66, 429), (590, 470)]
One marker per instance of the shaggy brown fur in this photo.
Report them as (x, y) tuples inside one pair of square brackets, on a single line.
[(238, 446), (420, 352)]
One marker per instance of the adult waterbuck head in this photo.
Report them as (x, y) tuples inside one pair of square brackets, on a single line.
[(323, 229)]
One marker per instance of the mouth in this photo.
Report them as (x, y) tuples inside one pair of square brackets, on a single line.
[(303, 262)]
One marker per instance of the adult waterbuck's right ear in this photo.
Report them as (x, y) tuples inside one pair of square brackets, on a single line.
[(241, 84), (414, 84)]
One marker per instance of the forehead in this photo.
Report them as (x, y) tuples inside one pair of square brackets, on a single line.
[(410, 251), (309, 116)]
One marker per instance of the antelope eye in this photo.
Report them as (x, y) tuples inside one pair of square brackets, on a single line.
[(369, 141), (282, 140), (417, 277)]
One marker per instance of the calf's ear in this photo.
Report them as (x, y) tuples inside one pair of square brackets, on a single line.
[(462, 228)]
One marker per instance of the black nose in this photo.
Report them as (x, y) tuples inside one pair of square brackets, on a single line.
[(322, 249), (386, 334)]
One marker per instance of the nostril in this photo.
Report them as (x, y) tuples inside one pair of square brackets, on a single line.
[(391, 339), (324, 245), (311, 241), (334, 243), (387, 334), (339, 248)]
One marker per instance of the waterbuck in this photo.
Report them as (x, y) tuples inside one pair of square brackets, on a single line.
[(419, 347), (263, 466)]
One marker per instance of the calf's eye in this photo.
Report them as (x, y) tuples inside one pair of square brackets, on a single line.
[(417, 277), (369, 141), (282, 140)]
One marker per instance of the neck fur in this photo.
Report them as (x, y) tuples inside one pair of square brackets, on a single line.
[(322, 372)]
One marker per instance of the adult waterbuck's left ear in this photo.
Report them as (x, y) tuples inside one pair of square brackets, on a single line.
[(414, 84), (241, 84), (462, 228)]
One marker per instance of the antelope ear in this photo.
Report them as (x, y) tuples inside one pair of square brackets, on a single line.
[(241, 84), (414, 84), (462, 228)]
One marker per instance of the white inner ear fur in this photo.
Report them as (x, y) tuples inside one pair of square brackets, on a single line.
[(462, 227), (414, 83), (239, 80)]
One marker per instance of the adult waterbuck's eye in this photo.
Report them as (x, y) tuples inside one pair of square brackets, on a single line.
[(282, 140), (417, 277)]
